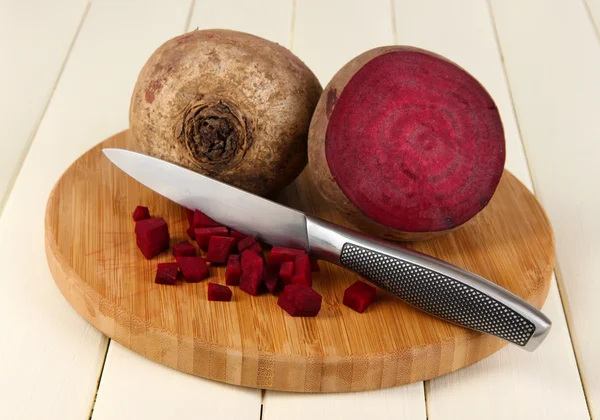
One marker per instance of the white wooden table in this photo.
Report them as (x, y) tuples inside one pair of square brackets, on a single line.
[(67, 70)]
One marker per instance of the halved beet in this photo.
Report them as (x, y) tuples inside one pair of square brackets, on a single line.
[(236, 234), (271, 277), (359, 296), (152, 236), (249, 243), (194, 269), (406, 143), (279, 254), (252, 272), (219, 248), (190, 217), (203, 235), (202, 220), (302, 271), (166, 273), (184, 249), (286, 271), (190, 232), (314, 265), (219, 292), (299, 300), (141, 213), (233, 271)]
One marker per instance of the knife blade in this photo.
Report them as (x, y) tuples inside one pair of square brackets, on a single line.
[(434, 286)]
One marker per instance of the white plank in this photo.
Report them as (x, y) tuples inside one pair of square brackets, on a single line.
[(511, 383), (327, 35), (391, 403), (594, 10), (553, 70), (35, 37), (163, 393)]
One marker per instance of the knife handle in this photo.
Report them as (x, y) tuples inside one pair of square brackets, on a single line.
[(434, 286)]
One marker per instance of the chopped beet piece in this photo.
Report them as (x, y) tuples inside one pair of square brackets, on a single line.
[(219, 292), (236, 234), (184, 249), (166, 273), (359, 296), (219, 249), (299, 300), (194, 268), (280, 254), (302, 271), (314, 265), (271, 277), (152, 236), (202, 220), (249, 243), (191, 233), (286, 271), (252, 272), (190, 217), (141, 213), (203, 235), (233, 271)]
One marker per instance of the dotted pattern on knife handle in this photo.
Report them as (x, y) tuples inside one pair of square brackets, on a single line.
[(438, 294)]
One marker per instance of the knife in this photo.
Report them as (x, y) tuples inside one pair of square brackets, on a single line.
[(427, 283)]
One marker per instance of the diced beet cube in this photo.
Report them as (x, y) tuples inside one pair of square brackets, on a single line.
[(190, 217), (152, 236), (271, 277), (194, 268), (286, 271), (249, 243), (202, 220), (233, 271), (314, 265), (219, 292), (219, 248), (184, 249), (203, 235), (191, 233), (359, 296), (280, 254), (299, 300), (236, 234), (302, 271), (141, 213), (252, 272), (166, 273)]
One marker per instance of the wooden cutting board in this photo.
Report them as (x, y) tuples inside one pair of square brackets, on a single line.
[(250, 341)]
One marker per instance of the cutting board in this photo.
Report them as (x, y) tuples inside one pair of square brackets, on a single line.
[(250, 341)]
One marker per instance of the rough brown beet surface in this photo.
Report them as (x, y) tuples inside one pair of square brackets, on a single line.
[(406, 143), (227, 104)]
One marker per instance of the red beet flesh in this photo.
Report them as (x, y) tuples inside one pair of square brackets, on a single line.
[(286, 271), (302, 271), (141, 213), (314, 265), (194, 269), (202, 220), (236, 234), (248, 243), (152, 236), (299, 300), (359, 296), (252, 272), (219, 248), (219, 292), (190, 232), (190, 216), (279, 254), (271, 277), (203, 235), (166, 273), (233, 271), (184, 249), (415, 142)]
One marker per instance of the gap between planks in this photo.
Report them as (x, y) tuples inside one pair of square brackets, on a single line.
[(557, 271)]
